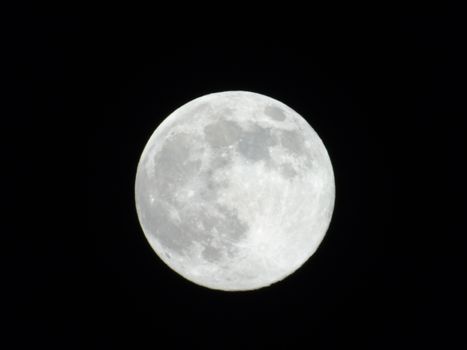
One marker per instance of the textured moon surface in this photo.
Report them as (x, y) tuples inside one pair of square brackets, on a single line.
[(234, 191)]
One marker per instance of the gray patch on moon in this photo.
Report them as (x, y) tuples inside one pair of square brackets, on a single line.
[(229, 228), (254, 145), (211, 185), (292, 141), (179, 222), (196, 225), (274, 113), (221, 160), (168, 232), (288, 171), (211, 254), (222, 133), (173, 166)]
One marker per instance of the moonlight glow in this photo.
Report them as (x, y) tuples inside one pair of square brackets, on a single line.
[(234, 191)]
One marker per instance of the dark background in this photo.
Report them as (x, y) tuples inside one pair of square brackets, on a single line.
[(380, 90)]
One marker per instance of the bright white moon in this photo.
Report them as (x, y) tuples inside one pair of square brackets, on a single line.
[(234, 191)]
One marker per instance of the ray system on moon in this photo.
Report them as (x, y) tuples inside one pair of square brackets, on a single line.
[(234, 191)]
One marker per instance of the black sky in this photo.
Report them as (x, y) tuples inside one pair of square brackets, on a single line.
[(380, 91)]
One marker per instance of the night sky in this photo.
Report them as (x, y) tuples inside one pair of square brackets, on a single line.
[(380, 91)]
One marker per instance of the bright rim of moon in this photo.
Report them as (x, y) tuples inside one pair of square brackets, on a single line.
[(234, 191)]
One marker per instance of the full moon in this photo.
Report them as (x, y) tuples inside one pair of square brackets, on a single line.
[(234, 191)]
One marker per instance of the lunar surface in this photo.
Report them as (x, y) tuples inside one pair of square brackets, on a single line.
[(234, 191)]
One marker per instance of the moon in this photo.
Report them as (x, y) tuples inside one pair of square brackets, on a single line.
[(234, 191)]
